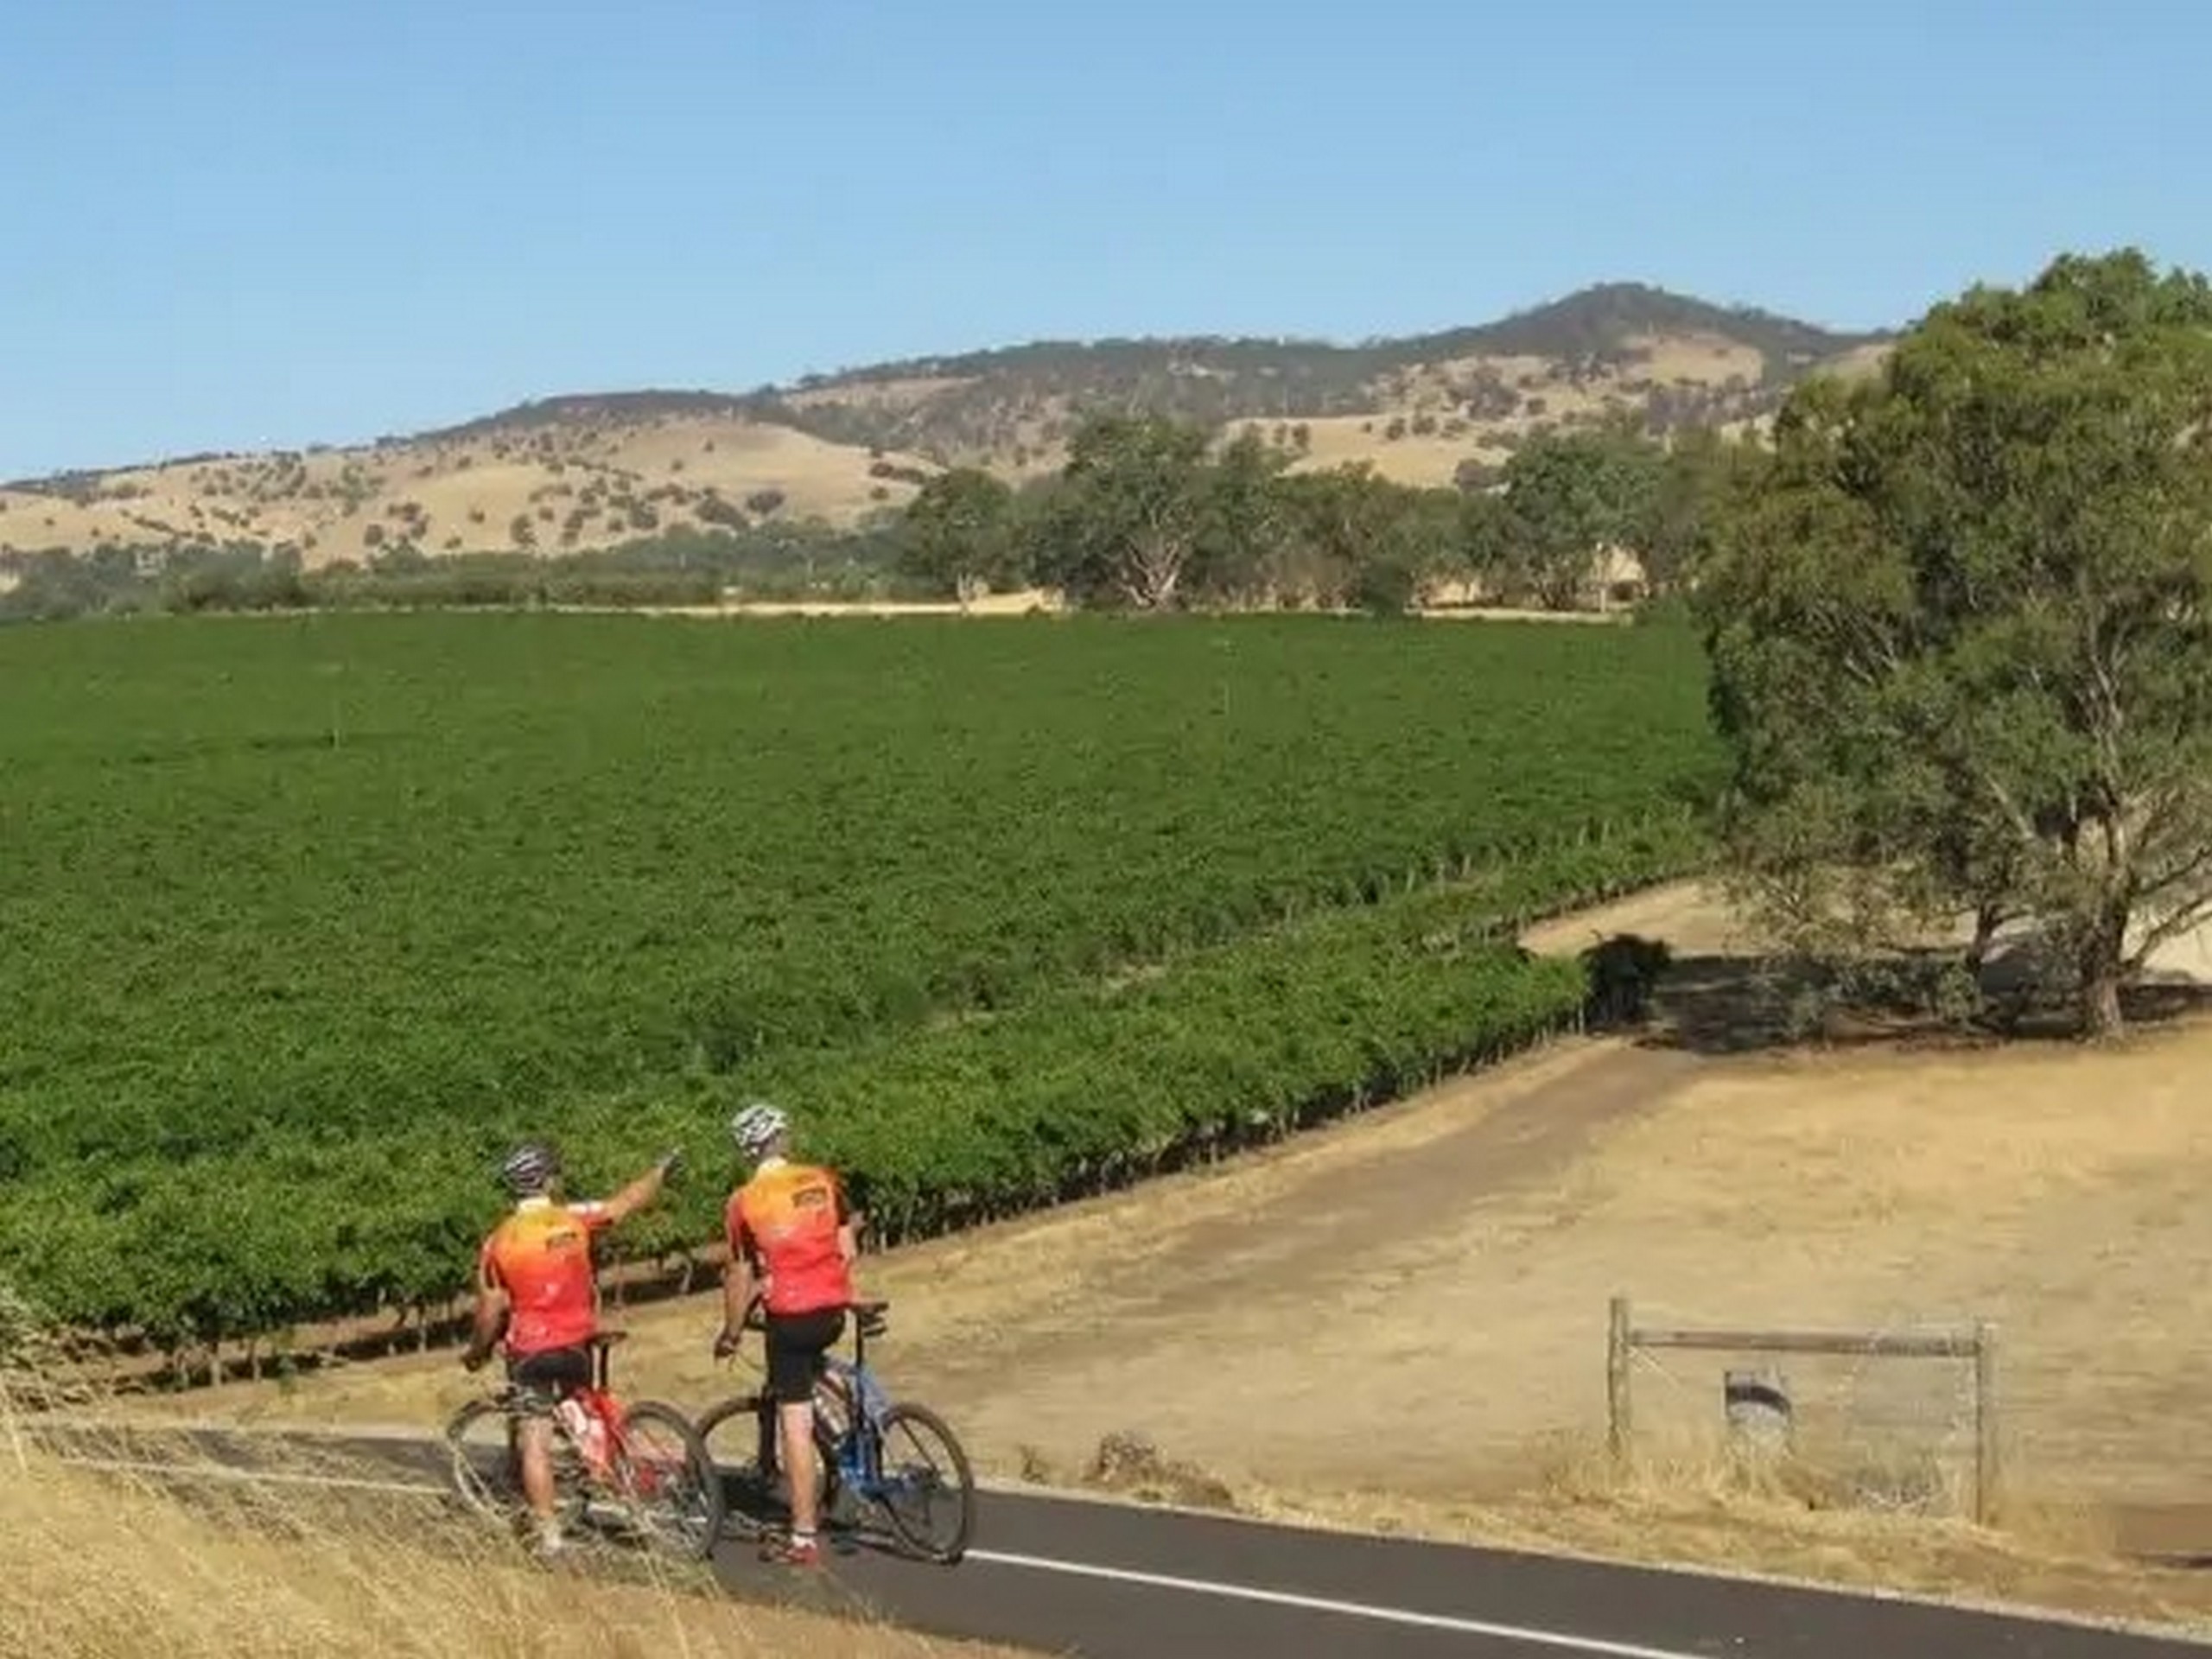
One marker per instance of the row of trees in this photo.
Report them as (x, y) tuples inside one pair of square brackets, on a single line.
[(1149, 513), (775, 560)]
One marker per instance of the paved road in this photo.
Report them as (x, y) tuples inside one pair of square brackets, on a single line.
[(1116, 1581)]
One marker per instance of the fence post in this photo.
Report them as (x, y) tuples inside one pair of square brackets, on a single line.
[(1985, 1423), (1619, 1411)]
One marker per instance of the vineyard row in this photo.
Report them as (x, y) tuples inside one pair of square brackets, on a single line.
[(938, 1126)]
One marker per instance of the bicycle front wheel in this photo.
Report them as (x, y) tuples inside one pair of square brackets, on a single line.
[(668, 1482), (926, 1487)]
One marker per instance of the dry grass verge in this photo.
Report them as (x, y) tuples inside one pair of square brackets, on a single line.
[(176, 1555)]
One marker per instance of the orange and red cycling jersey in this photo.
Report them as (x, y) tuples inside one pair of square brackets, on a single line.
[(786, 1218), (541, 1256)]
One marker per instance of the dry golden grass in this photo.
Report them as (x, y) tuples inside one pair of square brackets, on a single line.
[(468, 493), (1429, 461), (38, 521), (1698, 360), (174, 1555)]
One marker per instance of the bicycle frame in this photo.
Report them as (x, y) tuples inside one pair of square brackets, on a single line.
[(606, 1413), (860, 1446), (596, 1399), (857, 1445)]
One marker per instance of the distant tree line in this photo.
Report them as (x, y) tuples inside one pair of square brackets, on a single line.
[(1148, 513), (681, 567)]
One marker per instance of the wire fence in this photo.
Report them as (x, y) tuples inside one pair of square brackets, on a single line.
[(1904, 1419)]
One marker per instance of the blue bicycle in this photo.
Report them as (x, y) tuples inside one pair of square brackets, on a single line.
[(895, 1456)]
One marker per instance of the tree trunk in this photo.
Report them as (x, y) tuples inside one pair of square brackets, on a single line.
[(1987, 918), (2103, 955), (1151, 568), (2100, 1015)]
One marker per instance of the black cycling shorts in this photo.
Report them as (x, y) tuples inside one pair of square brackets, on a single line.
[(796, 1345), (542, 1379)]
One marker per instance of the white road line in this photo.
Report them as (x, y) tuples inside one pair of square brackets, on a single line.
[(1560, 1639)]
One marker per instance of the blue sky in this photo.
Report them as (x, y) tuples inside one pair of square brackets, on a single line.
[(237, 223)]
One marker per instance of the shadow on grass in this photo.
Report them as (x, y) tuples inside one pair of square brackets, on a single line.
[(1718, 1004)]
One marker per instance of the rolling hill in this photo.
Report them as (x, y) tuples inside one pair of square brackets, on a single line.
[(596, 469)]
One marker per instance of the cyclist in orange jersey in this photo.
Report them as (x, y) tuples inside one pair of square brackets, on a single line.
[(534, 1281), (791, 1235)]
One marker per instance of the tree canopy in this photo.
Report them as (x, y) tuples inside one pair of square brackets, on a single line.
[(1959, 635), (958, 533), (1567, 496)]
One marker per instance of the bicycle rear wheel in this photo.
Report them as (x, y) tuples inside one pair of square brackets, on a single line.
[(926, 1487), (485, 1474), (668, 1482)]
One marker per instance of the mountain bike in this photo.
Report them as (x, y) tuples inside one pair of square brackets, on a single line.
[(641, 1464), (855, 1449)]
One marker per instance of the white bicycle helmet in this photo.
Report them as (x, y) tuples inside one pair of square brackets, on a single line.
[(530, 1169), (756, 1127)]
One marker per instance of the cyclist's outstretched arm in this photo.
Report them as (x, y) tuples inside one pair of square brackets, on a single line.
[(641, 1191)]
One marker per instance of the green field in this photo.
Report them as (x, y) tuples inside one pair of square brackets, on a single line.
[(303, 918)]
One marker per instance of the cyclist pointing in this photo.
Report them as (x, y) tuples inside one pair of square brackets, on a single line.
[(790, 1231), (534, 1278)]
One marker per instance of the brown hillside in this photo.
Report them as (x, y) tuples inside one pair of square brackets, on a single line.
[(576, 485), (597, 470)]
